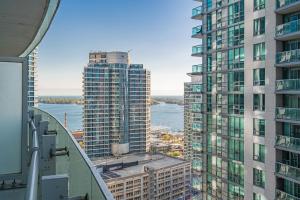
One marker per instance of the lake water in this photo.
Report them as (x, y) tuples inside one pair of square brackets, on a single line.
[(168, 116)]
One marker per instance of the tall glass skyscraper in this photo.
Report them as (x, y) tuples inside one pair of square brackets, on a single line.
[(242, 104), (32, 78), (116, 105)]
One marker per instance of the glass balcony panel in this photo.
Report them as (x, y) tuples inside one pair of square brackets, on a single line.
[(11, 118), (281, 195), (196, 126), (197, 68), (197, 49), (287, 170), (197, 88), (197, 11), (282, 3), (288, 56), (288, 142), (288, 113), (287, 28), (197, 30), (197, 107), (77, 165), (288, 84)]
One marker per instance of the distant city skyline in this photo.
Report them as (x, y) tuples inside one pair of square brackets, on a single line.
[(157, 33)]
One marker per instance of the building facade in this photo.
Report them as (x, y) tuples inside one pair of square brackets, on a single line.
[(147, 177), (32, 78), (242, 104), (116, 105)]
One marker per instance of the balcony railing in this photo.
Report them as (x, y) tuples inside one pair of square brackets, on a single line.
[(32, 182), (286, 57), (281, 195), (197, 68), (197, 11), (282, 3), (288, 113), (83, 177), (287, 28), (196, 88), (198, 49), (288, 142), (197, 30), (288, 84), (287, 170)]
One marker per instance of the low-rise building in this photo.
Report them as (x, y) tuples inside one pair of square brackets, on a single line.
[(146, 176)]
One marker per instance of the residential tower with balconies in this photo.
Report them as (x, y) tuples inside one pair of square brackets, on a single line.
[(116, 105)]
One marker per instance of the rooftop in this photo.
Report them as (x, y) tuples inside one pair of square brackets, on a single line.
[(133, 164)]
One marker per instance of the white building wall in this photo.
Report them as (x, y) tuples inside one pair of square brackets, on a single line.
[(269, 90)]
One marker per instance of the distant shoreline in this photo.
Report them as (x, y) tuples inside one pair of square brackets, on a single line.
[(155, 100)]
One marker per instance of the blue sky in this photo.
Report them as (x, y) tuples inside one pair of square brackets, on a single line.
[(156, 31)]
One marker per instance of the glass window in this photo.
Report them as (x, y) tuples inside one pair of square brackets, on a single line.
[(209, 83), (236, 150), (209, 62), (259, 51), (209, 4), (236, 127), (209, 103), (236, 81), (259, 77), (259, 127), (209, 42), (219, 39), (291, 188), (259, 177), (259, 152), (235, 191), (236, 35), (259, 26), (259, 4), (236, 104), (236, 12), (257, 196), (209, 22), (236, 58), (236, 173), (259, 102)]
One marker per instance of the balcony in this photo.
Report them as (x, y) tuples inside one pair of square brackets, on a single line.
[(287, 6), (197, 13), (281, 195), (288, 31), (288, 58), (288, 86), (58, 167), (197, 88), (197, 32), (287, 143), (197, 50), (288, 171), (196, 70), (197, 107), (288, 114)]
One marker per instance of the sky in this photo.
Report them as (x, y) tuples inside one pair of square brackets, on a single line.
[(157, 33)]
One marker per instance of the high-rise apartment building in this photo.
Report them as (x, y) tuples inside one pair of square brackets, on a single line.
[(116, 105), (32, 78), (146, 176), (242, 104)]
